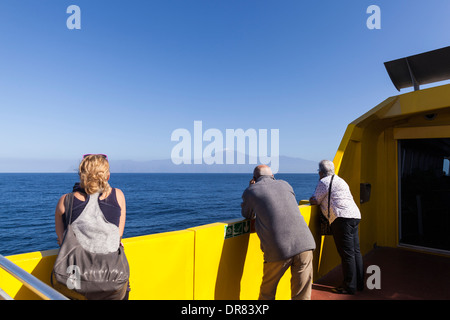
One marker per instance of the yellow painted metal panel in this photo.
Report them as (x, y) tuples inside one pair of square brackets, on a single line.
[(380, 111), (425, 100), (209, 241), (342, 147), (427, 132), (161, 265), (229, 268), (325, 257), (385, 217), (253, 273)]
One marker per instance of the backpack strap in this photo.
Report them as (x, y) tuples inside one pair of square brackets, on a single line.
[(329, 196), (68, 204)]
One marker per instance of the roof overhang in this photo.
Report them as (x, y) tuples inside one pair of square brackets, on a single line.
[(416, 70)]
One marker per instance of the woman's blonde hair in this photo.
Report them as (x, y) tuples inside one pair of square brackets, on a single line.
[(94, 174)]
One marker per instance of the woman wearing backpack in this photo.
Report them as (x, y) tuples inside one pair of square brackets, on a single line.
[(96, 215)]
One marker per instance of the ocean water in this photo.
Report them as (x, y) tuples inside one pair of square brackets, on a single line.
[(156, 202)]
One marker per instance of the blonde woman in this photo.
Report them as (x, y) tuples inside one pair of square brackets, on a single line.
[(98, 211)]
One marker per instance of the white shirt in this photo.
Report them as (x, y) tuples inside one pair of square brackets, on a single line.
[(342, 203)]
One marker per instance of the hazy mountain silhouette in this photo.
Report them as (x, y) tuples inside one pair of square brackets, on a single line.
[(286, 165)]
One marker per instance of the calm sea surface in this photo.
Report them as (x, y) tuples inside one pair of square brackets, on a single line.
[(156, 202)]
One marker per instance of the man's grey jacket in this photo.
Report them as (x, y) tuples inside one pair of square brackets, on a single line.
[(281, 228)]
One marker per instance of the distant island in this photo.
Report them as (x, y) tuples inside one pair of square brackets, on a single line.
[(286, 165)]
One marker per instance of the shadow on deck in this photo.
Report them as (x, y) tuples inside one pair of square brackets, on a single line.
[(405, 275)]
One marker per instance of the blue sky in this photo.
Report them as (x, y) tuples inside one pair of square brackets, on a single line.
[(138, 70)]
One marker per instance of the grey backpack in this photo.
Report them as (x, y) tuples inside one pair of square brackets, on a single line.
[(91, 264)]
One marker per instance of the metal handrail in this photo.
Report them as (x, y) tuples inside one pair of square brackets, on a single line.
[(31, 282), (4, 295)]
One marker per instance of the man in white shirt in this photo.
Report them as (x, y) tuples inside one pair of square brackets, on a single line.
[(344, 219)]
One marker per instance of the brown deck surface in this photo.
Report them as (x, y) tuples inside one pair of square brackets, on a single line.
[(405, 275)]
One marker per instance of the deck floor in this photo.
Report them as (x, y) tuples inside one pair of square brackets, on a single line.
[(405, 275)]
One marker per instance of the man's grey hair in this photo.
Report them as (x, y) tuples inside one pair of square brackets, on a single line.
[(326, 167)]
